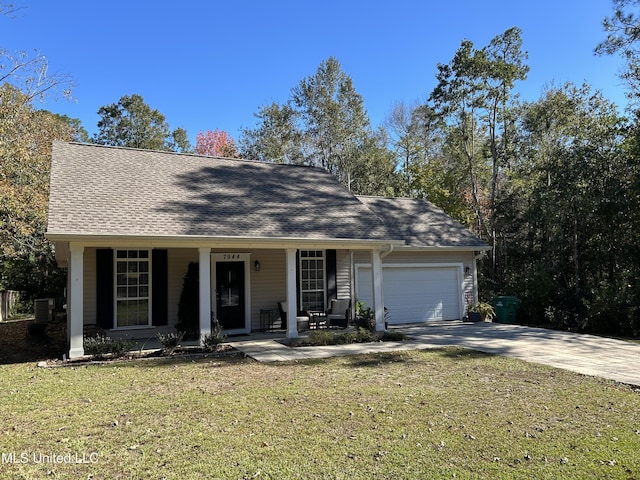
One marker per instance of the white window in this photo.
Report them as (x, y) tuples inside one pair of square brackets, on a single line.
[(312, 282), (133, 282)]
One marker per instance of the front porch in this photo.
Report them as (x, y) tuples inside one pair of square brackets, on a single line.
[(238, 286)]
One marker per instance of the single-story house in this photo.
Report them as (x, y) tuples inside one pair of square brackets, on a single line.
[(127, 223)]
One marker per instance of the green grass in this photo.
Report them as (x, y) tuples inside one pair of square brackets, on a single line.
[(446, 413)]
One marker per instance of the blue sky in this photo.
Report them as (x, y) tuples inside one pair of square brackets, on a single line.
[(211, 64)]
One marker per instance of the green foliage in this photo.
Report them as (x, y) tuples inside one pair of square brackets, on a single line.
[(623, 33), (169, 341), (486, 311), (276, 138), (132, 123), (211, 340), (569, 220), (474, 96), (324, 337), (392, 336), (323, 124), (101, 345), (329, 337), (26, 258), (364, 317), (361, 335)]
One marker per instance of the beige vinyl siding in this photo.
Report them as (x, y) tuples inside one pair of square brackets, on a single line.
[(268, 286), (178, 261)]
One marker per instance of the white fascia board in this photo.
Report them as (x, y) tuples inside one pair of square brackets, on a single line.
[(194, 241), (441, 248)]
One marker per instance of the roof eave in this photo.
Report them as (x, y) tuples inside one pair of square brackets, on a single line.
[(194, 241), (448, 248)]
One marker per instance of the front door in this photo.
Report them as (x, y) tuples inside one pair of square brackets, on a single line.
[(230, 295)]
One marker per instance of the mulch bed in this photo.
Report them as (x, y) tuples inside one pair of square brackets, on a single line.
[(180, 353), (24, 341)]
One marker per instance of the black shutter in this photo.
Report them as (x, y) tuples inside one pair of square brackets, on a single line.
[(332, 286), (298, 294), (160, 288), (104, 288)]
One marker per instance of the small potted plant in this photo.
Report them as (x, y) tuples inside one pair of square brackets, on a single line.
[(480, 312)]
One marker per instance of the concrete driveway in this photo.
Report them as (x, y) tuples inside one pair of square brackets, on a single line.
[(587, 354)]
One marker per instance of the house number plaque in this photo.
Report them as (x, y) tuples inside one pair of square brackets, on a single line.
[(231, 256)]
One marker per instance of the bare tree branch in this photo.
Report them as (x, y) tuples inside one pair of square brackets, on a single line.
[(30, 74), (8, 9)]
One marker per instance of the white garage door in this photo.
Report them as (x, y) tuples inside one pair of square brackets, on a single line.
[(414, 294)]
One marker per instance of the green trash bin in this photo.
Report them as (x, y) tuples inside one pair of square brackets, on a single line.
[(506, 308)]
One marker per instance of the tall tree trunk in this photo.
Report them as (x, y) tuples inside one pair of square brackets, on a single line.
[(469, 150), (576, 260)]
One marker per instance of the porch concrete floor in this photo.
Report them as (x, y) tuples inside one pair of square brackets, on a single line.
[(586, 354)]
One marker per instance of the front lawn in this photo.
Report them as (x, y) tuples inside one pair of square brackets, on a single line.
[(445, 413)]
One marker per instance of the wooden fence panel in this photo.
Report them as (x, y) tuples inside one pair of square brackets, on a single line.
[(8, 299)]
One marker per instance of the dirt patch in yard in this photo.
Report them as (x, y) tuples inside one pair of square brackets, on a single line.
[(25, 341)]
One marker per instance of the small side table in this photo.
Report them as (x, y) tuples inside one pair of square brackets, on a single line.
[(266, 320), (318, 320)]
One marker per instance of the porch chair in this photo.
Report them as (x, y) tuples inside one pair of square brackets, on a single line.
[(282, 308), (302, 318), (339, 313)]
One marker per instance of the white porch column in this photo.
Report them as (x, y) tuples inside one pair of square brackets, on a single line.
[(292, 294), (378, 302), (75, 301), (205, 292)]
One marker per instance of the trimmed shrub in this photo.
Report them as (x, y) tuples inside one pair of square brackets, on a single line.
[(365, 317), (169, 341), (101, 345), (211, 341), (321, 338), (392, 336)]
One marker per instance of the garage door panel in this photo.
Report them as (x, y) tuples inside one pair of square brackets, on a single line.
[(415, 294)]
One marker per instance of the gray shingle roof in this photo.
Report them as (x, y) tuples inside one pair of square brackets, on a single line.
[(98, 190), (113, 191), (420, 223)]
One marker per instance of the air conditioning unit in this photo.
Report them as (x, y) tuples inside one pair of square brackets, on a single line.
[(43, 309)]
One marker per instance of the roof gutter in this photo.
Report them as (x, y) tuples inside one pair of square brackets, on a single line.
[(478, 249), (384, 253), (220, 242)]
